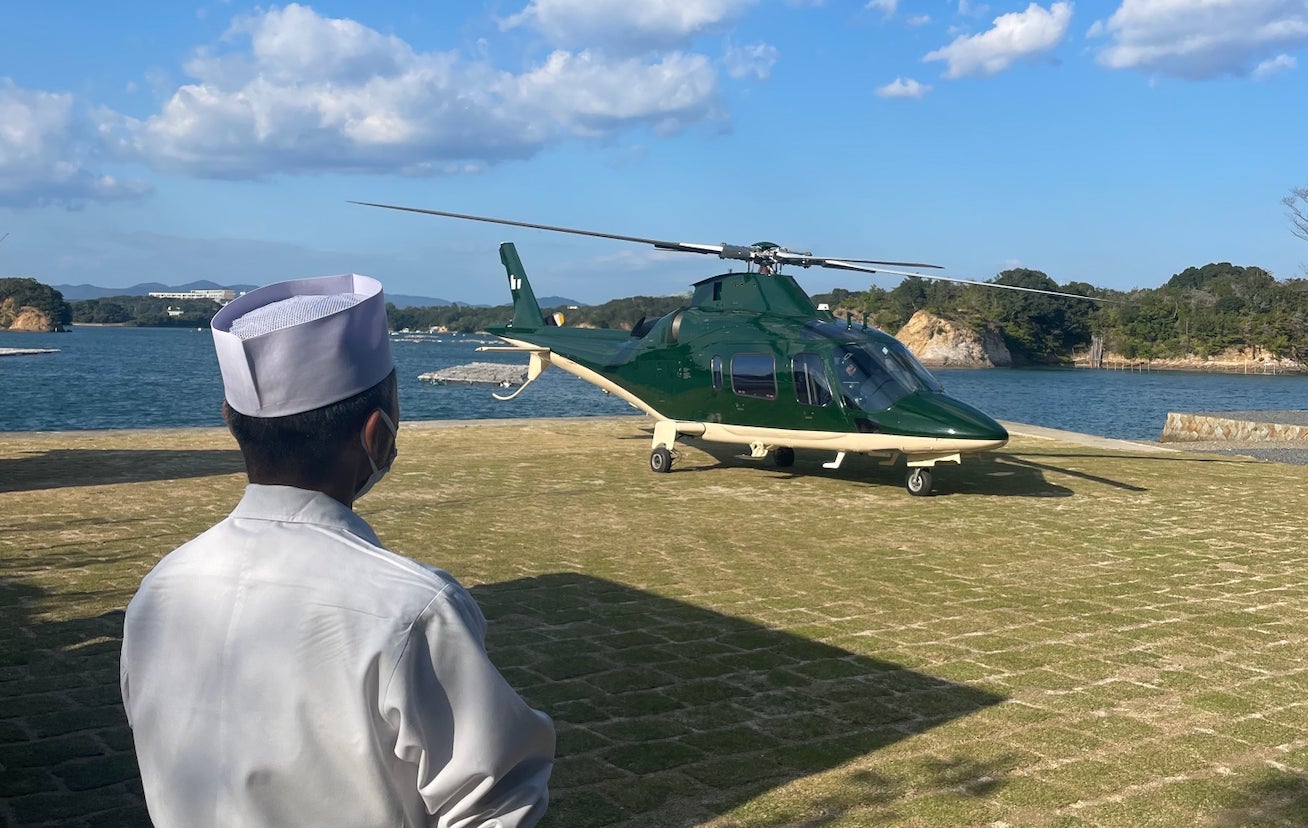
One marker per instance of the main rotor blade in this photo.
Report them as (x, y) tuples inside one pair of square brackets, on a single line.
[(723, 251), (808, 260), (685, 247), (893, 264), (849, 265)]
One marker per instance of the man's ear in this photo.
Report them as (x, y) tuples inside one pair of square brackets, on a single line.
[(375, 435)]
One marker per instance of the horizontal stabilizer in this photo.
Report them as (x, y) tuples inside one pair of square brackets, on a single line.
[(514, 349)]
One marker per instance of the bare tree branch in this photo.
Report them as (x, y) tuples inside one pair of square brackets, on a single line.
[(1297, 201)]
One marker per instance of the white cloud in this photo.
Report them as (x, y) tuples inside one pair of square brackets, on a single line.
[(918, 20), (292, 91), (589, 95), (757, 60), (1274, 66), (50, 152), (1199, 39), (886, 7), (903, 88), (626, 25), (1014, 36)]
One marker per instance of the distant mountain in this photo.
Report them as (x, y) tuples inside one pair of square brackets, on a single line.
[(402, 301), (74, 293), (399, 300)]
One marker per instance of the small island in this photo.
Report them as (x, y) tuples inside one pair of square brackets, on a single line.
[(28, 305)]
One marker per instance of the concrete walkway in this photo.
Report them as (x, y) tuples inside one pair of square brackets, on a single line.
[(1077, 438)]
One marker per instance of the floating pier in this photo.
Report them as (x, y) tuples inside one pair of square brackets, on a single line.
[(4, 352), (478, 373)]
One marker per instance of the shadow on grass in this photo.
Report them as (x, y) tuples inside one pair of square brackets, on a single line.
[(59, 468), (1050, 467), (989, 473), (1279, 796), (670, 714), (65, 747)]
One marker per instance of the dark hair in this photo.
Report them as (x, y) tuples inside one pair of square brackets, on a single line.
[(308, 444)]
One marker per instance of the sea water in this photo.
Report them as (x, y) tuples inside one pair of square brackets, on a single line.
[(163, 377)]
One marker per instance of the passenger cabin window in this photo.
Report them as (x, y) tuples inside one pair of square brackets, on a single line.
[(715, 366), (811, 386), (754, 375)]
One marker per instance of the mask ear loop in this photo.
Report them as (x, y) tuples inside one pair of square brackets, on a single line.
[(364, 442), (377, 471)]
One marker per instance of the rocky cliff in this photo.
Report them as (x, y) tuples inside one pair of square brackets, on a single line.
[(1230, 361), (23, 318), (939, 342)]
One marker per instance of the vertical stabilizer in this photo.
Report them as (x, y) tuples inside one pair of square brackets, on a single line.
[(526, 312)]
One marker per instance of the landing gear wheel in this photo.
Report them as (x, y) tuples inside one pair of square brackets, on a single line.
[(784, 457), (919, 481), (660, 460)]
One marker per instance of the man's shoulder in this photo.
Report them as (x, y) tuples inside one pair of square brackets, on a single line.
[(312, 562)]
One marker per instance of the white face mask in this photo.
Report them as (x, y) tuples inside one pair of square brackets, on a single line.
[(377, 472)]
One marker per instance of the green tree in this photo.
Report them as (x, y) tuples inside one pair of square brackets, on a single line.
[(1036, 327)]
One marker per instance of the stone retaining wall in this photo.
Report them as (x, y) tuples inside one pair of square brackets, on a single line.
[(1189, 428)]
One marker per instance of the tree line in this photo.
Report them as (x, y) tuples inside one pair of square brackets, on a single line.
[(1199, 311), (144, 311), (618, 313)]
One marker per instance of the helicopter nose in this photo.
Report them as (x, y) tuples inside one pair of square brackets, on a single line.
[(940, 415)]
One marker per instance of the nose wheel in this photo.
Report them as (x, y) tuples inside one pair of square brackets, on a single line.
[(660, 460), (919, 481)]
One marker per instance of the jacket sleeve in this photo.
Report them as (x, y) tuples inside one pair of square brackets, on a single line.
[(483, 756)]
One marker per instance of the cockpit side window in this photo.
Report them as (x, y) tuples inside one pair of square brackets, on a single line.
[(754, 375), (811, 385), (868, 380)]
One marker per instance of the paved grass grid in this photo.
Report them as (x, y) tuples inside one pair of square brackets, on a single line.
[(1064, 636)]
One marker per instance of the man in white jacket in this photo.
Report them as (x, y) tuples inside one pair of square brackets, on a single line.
[(283, 668)]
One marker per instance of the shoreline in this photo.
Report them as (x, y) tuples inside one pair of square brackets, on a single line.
[(1193, 365), (405, 425), (1252, 368)]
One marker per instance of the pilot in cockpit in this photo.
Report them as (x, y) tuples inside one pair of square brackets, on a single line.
[(865, 386)]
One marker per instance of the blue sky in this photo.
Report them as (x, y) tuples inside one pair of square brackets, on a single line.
[(1113, 142)]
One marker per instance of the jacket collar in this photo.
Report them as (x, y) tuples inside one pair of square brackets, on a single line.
[(288, 504)]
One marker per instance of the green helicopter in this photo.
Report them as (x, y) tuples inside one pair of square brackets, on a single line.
[(752, 361)]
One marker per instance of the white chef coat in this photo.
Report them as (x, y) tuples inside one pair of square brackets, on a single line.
[(284, 669)]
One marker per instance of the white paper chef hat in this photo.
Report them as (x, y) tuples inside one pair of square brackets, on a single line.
[(296, 346)]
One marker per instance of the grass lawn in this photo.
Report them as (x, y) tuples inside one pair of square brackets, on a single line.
[(1063, 636)]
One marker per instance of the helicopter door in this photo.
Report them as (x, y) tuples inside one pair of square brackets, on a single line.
[(812, 388)]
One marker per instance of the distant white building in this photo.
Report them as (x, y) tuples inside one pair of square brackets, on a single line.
[(222, 297)]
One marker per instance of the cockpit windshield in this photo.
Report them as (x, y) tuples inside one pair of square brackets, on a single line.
[(875, 376), (897, 352)]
